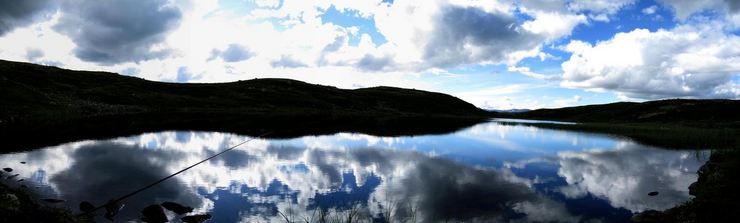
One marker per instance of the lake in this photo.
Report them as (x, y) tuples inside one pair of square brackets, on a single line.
[(489, 172)]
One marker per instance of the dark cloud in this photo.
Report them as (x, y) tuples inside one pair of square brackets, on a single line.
[(32, 54), (734, 5), (319, 159), (339, 41), (286, 152), (448, 190), (235, 159), (232, 53), (104, 171), (287, 62), (494, 36), (373, 63), (110, 32), (22, 12)]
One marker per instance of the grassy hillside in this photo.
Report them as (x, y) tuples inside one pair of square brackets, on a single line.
[(676, 123), (42, 105), (34, 92), (686, 112)]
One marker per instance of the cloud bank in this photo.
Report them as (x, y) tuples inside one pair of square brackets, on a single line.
[(111, 32), (696, 61), (21, 13)]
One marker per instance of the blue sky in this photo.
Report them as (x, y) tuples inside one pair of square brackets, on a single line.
[(497, 54)]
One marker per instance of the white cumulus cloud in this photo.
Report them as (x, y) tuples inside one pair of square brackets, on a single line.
[(687, 61)]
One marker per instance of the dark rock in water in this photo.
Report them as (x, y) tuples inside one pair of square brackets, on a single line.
[(86, 206), (111, 209), (8, 169), (653, 193), (196, 218), (648, 216), (23, 162), (177, 208), (694, 188), (154, 214), (12, 176), (52, 200)]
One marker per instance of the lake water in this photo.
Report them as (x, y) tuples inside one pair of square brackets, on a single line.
[(489, 172)]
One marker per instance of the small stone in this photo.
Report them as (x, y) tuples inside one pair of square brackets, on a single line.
[(196, 218), (86, 206), (153, 214), (177, 208), (52, 200), (648, 216), (111, 209), (654, 193), (23, 162), (8, 169), (694, 188)]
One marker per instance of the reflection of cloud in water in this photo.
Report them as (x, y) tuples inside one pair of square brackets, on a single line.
[(445, 190), (241, 201), (107, 169), (313, 170), (627, 174)]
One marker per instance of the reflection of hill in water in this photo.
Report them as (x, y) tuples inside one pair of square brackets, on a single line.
[(334, 172)]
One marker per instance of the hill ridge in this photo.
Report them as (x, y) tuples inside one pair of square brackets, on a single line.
[(30, 91)]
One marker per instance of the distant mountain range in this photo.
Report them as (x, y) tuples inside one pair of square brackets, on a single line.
[(509, 110)]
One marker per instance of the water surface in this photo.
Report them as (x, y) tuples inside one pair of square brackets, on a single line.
[(489, 172)]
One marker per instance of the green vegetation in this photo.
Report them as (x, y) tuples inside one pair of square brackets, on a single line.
[(17, 206)]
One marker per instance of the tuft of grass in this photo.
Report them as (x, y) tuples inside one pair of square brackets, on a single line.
[(16, 205)]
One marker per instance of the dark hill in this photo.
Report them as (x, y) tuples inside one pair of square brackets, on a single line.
[(42, 105), (29, 91), (676, 111)]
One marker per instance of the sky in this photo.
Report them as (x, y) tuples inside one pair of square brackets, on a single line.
[(495, 54)]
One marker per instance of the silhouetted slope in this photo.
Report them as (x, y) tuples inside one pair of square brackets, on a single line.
[(29, 91), (675, 111)]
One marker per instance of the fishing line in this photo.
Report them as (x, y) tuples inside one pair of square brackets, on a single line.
[(116, 201)]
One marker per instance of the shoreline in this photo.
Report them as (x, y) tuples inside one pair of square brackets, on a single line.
[(29, 135), (715, 194), (17, 205)]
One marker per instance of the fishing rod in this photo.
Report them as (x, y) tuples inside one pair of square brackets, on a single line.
[(116, 201)]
